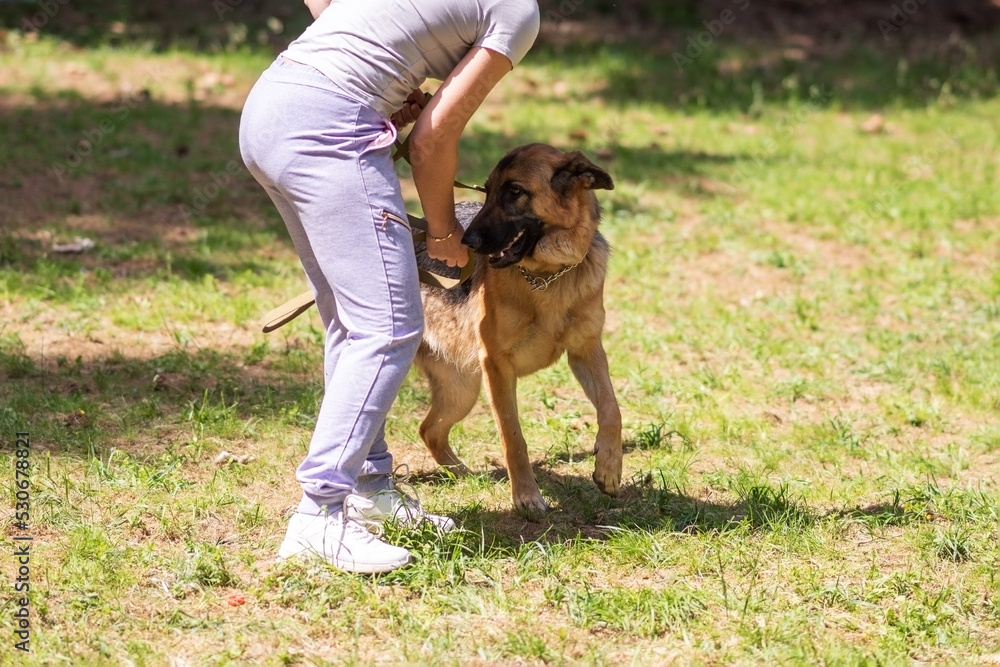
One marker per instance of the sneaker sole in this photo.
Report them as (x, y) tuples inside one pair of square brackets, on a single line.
[(354, 567)]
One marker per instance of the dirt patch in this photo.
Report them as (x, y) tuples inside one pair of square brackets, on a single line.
[(47, 340)]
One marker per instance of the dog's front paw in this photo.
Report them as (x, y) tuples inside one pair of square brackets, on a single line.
[(608, 478), (532, 507), (608, 468)]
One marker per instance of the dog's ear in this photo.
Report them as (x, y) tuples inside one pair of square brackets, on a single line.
[(576, 171)]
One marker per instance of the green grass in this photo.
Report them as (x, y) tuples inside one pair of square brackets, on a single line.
[(803, 332)]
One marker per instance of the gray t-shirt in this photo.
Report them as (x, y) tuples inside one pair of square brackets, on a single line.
[(377, 51)]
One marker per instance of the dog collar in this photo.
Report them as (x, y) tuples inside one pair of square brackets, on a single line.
[(540, 284)]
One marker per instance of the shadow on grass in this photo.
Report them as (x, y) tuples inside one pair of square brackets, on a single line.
[(164, 190), (580, 511), (714, 54), (913, 504), (744, 77), (76, 407), (164, 193), (143, 407)]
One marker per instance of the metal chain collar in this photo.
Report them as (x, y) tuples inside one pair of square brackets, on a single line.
[(540, 284)]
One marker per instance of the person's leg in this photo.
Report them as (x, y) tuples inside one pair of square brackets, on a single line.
[(375, 473), (331, 196), (372, 270)]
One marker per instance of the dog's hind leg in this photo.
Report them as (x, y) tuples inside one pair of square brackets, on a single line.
[(590, 366), (453, 393)]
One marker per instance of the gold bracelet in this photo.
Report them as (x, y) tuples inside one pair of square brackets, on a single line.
[(438, 239)]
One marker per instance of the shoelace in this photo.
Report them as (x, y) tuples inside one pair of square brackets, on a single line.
[(367, 525), (406, 507), (343, 521), (410, 500)]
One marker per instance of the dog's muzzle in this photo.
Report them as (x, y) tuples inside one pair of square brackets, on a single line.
[(505, 243)]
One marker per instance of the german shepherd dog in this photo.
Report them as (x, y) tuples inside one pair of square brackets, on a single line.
[(536, 290)]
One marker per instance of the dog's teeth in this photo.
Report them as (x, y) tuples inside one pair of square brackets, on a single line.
[(500, 253)]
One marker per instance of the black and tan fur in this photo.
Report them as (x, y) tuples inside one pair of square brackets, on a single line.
[(496, 327)]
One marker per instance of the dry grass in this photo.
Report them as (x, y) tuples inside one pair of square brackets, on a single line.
[(809, 383)]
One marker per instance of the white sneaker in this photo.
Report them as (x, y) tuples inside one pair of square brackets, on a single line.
[(345, 543), (392, 503)]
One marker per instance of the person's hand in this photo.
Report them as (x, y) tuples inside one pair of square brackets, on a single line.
[(410, 111), (450, 251)]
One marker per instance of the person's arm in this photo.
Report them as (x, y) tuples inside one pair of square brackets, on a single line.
[(316, 7), (434, 146)]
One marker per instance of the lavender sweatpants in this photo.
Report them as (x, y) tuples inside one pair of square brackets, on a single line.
[(324, 159)]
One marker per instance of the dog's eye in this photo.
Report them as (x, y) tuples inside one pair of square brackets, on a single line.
[(515, 190)]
